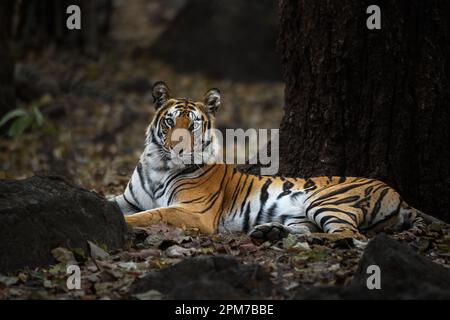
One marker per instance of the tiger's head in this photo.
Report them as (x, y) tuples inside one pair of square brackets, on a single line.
[(182, 130)]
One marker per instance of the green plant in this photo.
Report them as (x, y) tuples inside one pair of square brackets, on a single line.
[(22, 120)]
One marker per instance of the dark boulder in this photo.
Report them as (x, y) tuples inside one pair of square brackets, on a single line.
[(404, 275), (41, 213), (206, 277)]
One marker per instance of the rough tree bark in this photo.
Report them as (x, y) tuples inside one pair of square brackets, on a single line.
[(371, 103), (40, 22), (7, 98)]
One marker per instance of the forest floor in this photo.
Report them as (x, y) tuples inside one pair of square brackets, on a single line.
[(294, 264)]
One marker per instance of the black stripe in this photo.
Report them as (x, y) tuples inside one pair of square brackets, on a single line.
[(377, 206), (304, 221), (342, 179), (179, 188), (310, 185), (335, 193), (379, 186), (241, 187), (214, 197), (320, 210), (339, 221), (134, 207), (236, 191), (271, 212), (324, 220), (141, 179), (217, 216), (193, 200), (386, 218), (296, 194), (282, 218), (358, 205), (368, 191), (131, 189), (341, 201), (246, 222), (286, 189), (246, 196), (263, 199)]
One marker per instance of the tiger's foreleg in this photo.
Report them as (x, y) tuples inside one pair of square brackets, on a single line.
[(275, 231), (175, 216)]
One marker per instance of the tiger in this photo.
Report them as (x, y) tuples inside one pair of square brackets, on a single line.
[(217, 198)]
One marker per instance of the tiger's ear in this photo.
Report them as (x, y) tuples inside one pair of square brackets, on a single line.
[(212, 100), (160, 93)]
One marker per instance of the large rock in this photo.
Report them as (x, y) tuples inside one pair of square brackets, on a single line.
[(43, 212), (404, 275), (205, 277)]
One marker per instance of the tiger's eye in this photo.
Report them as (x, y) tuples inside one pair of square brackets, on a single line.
[(169, 122), (194, 126)]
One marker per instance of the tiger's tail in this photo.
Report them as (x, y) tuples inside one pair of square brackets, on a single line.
[(412, 218)]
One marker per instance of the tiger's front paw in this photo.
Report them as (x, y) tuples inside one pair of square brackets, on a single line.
[(143, 219), (272, 232)]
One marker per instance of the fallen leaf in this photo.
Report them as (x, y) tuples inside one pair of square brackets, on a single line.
[(96, 252), (79, 254), (149, 295), (334, 267), (92, 278), (140, 255), (301, 246), (289, 241), (58, 269), (208, 250), (108, 275), (23, 277), (8, 281), (359, 244), (154, 240), (48, 284), (92, 267), (128, 265), (106, 264), (103, 288), (248, 247), (64, 255), (436, 227), (176, 251)]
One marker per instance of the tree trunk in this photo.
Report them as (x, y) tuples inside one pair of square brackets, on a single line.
[(371, 103), (7, 98), (41, 22)]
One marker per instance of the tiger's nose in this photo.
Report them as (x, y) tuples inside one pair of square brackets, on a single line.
[(181, 135)]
